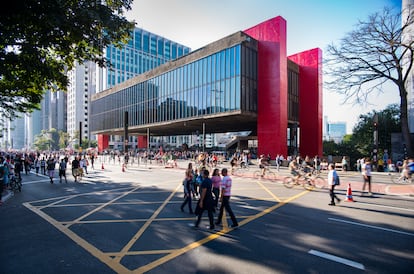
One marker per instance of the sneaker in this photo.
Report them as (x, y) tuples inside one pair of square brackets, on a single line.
[(331, 204), (338, 200), (193, 226), (210, 227)]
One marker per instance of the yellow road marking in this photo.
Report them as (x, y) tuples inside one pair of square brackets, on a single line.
[(214, 236), (80, 241), (145, 226), (112, 259), (102, 206)]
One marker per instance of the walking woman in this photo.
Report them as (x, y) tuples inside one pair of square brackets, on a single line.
[(187, 183), (216, 179), (366, 173)]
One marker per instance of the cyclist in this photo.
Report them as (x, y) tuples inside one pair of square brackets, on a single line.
[(233, 163), (263, 163), (307, 165), (410, 167), (294, 169)]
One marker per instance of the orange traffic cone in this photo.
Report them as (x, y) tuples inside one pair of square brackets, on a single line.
[(102, 167), (349, 194)]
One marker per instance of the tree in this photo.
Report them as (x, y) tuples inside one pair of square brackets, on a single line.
[(41, 40), (46, 140), (374, 53), (388, 122)]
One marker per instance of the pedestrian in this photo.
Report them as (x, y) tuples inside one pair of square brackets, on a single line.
[(278, 161), (75, 168), (37, 165), (366, 169), (43, 165), (344, 164), (206, 201), (51, 165), (187, 183), (333, 180), (62, 170), (226, 183), (216, 179)]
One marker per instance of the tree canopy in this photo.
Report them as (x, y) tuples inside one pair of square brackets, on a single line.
[(41, 40), (379, 50)]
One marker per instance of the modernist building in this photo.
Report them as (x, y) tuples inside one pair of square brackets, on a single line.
[(243, 82)]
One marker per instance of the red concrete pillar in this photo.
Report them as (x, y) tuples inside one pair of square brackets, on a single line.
[(310, 101), (103, 142), (272, 86), (142, 142)]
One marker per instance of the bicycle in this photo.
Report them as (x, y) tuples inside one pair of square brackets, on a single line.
[(308, 181), (16, 184), (268, 174), (240, 169), (398, 178)]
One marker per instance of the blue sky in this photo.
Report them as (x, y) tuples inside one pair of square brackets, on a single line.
[(310, 24)]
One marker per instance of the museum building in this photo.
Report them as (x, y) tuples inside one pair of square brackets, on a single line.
[(242, 82)]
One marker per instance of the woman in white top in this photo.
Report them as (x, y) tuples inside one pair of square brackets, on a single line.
[(332, 176), (366, 173)]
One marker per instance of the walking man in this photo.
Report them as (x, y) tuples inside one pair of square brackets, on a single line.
[(206, 201), (51, 165), (62, 170), (225, 199), (332, 181)]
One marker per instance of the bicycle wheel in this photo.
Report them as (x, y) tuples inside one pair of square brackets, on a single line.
[(398, 178), (319, 182), (289, 182), (270, 175), (308, 184), (257, 174)]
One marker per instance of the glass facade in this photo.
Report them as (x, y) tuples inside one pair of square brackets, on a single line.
[(143, 52), (222, 82)]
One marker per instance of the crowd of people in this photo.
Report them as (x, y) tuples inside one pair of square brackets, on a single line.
[(13, 164), (211, 193)]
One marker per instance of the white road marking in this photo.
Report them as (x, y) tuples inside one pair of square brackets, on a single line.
[(392, 207), (371, 226), (337, 259)]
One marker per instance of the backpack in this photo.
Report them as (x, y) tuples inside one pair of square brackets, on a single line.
[(337, 180)]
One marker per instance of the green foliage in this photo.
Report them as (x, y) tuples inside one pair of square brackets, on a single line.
[(46, 140), (41, 40), (361, 142)]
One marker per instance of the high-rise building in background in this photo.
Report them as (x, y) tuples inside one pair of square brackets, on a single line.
[(68, 111), (334, 131), (408, 35)]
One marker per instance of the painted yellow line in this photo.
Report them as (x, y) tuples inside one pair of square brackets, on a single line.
[(102, 206), (126, 248), (268, 191), (214, 236), (80, 241)]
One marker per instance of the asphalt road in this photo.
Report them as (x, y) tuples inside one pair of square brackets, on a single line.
[(130, 222)]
